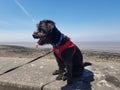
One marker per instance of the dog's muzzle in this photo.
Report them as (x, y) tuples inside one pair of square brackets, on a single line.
[(37, 35), (41, 36)]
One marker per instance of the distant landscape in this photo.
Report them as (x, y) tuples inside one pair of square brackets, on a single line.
[(97, 46), (95, 51)]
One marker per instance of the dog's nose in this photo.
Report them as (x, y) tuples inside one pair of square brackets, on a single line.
[(35, 36)]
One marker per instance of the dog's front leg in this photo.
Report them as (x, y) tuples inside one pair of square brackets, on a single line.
[(61, 66)]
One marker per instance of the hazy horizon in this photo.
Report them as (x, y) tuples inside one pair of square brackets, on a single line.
[(95, 46)]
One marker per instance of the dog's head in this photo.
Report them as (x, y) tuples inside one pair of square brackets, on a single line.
[(44, 31)]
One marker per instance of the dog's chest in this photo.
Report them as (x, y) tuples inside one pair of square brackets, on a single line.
[(58, 50)]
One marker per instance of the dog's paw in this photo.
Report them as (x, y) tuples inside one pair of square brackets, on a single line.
[(56, 72), (59, 77), (64, 78)]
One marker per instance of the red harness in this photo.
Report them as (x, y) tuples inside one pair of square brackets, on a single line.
[(58, 50)]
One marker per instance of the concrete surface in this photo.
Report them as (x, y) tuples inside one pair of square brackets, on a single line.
[(38, 76)]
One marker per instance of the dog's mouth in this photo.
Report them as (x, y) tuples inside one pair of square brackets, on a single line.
[(41, 40), (41, 36)]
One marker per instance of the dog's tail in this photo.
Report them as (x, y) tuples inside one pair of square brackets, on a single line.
[(87, 64)]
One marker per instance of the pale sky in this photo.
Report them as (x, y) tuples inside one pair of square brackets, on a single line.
[(81, 20)]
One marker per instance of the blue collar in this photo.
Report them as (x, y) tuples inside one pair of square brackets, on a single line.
[(59, 42)]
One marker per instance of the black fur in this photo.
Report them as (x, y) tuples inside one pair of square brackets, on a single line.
[(70, 65)]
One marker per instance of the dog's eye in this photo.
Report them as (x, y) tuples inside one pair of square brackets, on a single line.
[(39, 30), (43, 31)]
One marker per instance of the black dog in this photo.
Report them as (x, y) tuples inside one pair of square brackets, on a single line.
[(68, 55)]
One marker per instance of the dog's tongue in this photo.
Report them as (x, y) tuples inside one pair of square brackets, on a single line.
[(36, 45)]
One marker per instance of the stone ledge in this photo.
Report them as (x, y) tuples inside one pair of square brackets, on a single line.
[(35, 75)]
